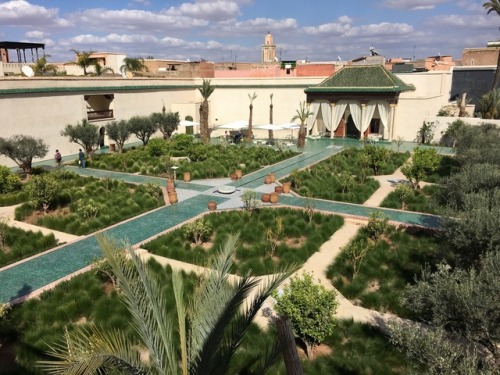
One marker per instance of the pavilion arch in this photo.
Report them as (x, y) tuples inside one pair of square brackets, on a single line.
[(363, 96)]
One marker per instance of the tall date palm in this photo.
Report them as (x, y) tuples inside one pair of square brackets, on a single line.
[(494, 6), (250, 117), (205, 90), (200, 337), (302, 115)]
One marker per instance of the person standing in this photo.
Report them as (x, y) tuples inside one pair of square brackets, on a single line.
[(81, 158), (58, 158)]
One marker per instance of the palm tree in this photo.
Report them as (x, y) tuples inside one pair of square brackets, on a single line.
[(252, 98), (100, 70), (494, 6), (199, 338), (133, 64), (83, 59), (270, 131), (42, 67), (205, 90), (489, 105), (303, 114)]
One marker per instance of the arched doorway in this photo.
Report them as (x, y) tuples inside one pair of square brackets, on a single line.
[(102, 132), (351, 130)]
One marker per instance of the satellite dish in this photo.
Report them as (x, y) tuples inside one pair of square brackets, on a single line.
[(27, 71)]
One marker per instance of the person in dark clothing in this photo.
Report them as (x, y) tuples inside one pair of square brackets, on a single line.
[(58, 158), (81, 158)]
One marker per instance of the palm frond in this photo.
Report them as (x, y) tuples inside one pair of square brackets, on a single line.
[(181, 318), (89, 350), (141, 292)]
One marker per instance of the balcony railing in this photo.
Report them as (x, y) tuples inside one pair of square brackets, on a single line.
[(99, 115)]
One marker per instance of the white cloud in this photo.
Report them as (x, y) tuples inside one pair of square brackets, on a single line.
[(213, 11), (340, 27), (413, 4), (22, 13), (380, 29), (35, 34), (463, 22)]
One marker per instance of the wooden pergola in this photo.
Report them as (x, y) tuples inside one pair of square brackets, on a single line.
[(20, 48)]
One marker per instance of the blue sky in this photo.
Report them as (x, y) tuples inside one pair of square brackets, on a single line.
[(234, 30)]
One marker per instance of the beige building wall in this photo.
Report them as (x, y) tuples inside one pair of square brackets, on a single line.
[(487, 56), (52, 103)]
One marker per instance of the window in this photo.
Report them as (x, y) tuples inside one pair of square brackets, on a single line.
[(375, 126)]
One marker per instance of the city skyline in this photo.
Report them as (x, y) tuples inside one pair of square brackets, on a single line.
[(234, 31)]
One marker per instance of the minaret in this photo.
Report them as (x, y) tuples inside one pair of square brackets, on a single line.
[(268, 49)]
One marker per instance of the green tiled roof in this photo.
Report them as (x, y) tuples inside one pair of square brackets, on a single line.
[(362, 78)]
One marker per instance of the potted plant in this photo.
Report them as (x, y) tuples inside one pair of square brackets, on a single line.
[(187, 176), (212, 205)]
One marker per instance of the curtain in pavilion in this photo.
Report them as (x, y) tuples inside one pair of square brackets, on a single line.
[(355, 109), (384, 110), (367, 115), (326, 113), (314, 108), (338, 113)]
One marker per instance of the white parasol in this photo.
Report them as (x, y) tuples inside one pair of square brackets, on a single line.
[(268, 127), (290, 126), (188, 123), (241, 124)]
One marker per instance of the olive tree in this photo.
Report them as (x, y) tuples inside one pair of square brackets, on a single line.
[(42, 191), (142, 127), (376, 157), (310, 308), (84, 134), (22, 149), (166, 122), (462, 303), (119, 132)]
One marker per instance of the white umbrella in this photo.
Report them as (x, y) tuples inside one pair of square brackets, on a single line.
[(290, 126), (269, 127), (241, 124), (188, 123)]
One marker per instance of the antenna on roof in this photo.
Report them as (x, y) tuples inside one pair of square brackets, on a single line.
[(339, 58), (373, 51)]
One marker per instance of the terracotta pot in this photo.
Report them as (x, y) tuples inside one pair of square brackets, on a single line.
[(267, 179), (266, 197), (187, 176), (172, 197), (238, 173), (278, 189), (212, 205), (273, 178), (170, 185), (234, 176), (273, 197), (112, 147), (287, 186)]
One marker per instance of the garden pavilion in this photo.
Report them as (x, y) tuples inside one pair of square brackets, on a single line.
[(358, 101)]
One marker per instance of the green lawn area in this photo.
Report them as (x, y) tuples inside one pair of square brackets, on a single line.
[(298, 241), (399, 256), (421, 201)]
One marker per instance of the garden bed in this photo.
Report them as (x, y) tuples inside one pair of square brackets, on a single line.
[(85, 204), (397, 258), (205, 161), (421, 201), (343, 177), (298, 241), (18, 244)]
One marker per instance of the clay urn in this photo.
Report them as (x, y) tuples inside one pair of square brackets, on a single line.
[(170, 185), (273, 198), (187, 176), (172, 197), (239, 173), (267, 179), (287, 186), (212, 205), (278, 189), (266, 197)]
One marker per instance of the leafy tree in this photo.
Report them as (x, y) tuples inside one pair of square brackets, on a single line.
[(436, 352), (119, 132), (451, 133), (310, 307), (142, 127), (302, 115), (42, 191), (250, 202), (479, 144), (83, 59), (205, 90), (356, 251), (197, 231), (423, 162), (133, 64), (476, 228), (489, 105), (167, 122), (250, 117), (84, 134), (346, 181), (41, 66), (378, 223), (9, 181), (463, 303), (403, 192), (199, 337), (22, 149), (494, 6), (426, 133), (377, 157)]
